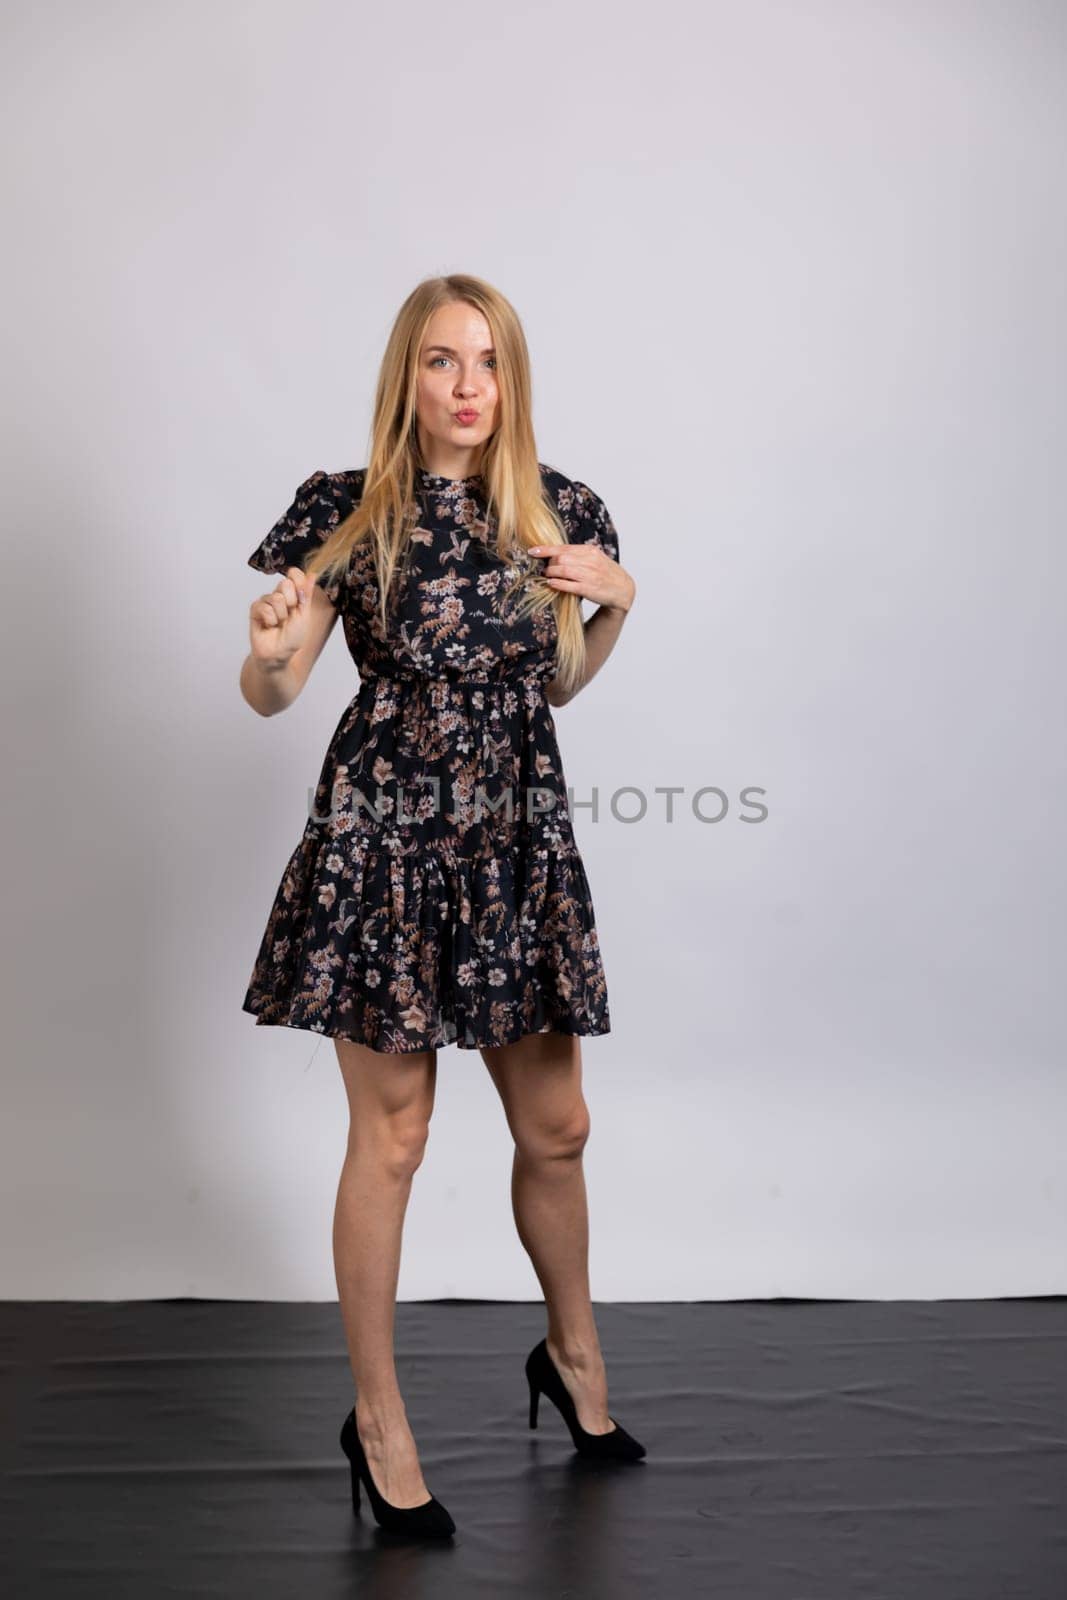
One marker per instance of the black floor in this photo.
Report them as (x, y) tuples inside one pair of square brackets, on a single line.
[(798, 1450)]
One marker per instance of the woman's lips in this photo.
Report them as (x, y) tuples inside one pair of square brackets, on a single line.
[(465, 416)]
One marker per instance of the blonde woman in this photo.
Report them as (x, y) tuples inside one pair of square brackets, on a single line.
[(437, 895)]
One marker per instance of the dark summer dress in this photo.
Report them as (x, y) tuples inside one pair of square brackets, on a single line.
[(437, 895)]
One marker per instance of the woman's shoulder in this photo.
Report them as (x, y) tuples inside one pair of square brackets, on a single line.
[(580, 509), (321, 490), (570, 494), (347, 483)]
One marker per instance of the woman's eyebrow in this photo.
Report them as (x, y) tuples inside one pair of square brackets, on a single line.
[(448, 351)]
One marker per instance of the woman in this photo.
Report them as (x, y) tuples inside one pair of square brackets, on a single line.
[(437, 895)]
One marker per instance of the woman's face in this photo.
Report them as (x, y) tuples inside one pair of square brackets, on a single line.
[(457, 374)]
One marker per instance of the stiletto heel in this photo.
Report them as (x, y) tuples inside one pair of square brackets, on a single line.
[(543, 1376), (429, 1520)]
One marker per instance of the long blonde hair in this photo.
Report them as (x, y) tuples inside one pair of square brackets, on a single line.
[(388, 509)]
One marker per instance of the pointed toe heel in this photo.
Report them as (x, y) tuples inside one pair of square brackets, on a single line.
[(543, 1377), (428, 1521)]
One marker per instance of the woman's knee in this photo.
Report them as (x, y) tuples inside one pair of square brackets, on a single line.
[(395, 1141), (390, 1104), (557, 1138), (402, 1144)]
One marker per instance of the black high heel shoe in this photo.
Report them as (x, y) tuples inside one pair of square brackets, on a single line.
[(542, 1375), (429, 1520)]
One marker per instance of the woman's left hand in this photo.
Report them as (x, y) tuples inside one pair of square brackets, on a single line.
[(586, 570)]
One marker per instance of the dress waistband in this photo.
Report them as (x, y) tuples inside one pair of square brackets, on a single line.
[(509, 674)]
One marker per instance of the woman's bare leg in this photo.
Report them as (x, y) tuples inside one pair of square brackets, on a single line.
[(539, 1079), (390, 1099)]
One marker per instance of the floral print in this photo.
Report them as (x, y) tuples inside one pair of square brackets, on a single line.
[(437, 894)]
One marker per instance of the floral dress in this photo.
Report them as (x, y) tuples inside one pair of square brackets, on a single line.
[(437, 894)]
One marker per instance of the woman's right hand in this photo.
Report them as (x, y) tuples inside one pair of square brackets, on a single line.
[(278, 622)]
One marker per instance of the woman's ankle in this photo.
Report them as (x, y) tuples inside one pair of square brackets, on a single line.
[(378, 1416), (577, 1355)]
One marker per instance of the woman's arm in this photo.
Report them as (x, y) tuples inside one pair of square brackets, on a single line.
[(601, 632), (287, 639), (586, 570)]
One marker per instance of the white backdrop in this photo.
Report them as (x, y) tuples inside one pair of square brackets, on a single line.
[(792, 279)]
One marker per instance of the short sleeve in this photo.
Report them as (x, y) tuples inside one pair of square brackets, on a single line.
[(593, 523), (299, 531)]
